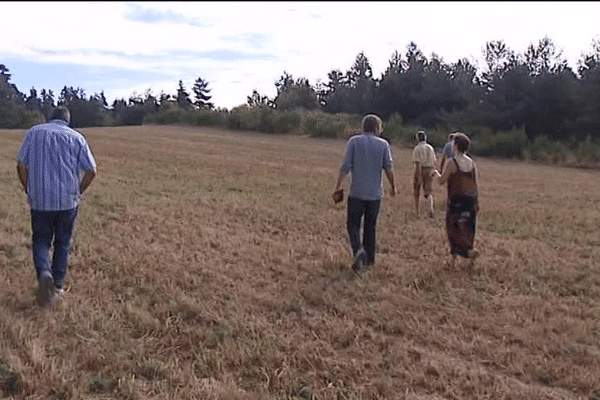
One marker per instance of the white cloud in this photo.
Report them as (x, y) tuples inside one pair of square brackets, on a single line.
[(224, 42)]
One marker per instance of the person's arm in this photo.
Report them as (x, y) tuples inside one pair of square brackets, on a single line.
[(340, 179), (476, 175), (389, 173), (443, 177), (87, 179), (346, 166), (442, 162), (23, 175), (476, 186)]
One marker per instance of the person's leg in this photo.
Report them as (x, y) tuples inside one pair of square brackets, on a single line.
[(451, 234), (42, 232), (353, 223), (416, 190), (370, 230), (473, 253), (452, 261), (427, 189), (65, 222)]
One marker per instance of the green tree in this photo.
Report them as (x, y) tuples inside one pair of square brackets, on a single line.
[(118, 110), (551, 93), (183, 97), (361, 86), (13, 113), (544, 58), (587, 123), (201, 93), (292, 94), (164, 99), (499, 100), (258, 100), (552, 104), (47, 102), (499, 59), (332, 95), (32, 102), (151, 103), (391, 91), (85, 111)]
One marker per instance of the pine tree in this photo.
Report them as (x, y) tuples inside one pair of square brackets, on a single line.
[(183, 97), (201, 91)]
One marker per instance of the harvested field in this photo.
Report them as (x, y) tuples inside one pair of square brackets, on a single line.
[(210, 264)]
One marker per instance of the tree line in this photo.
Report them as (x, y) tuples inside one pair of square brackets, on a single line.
[(535, 92), (18, 110)]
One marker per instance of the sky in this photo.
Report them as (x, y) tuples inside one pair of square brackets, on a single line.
[(128, 48)]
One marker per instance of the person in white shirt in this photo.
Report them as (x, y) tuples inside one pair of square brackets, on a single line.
[(423, 158)]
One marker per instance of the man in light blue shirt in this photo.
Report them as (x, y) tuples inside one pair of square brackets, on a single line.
[(48, 164), (366, 157), (447, 151)]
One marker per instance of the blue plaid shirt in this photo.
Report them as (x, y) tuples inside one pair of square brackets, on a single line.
[(54, 155)]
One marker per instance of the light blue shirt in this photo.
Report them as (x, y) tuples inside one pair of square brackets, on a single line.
[(54, 155), (366, 157), (448, 150)]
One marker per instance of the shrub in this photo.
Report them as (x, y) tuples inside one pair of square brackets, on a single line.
[(321, 124), (169, 115), (31, 118), (241, 118), (206, 118), (393, 129), (587, 151), (544, 149), (504, 144)]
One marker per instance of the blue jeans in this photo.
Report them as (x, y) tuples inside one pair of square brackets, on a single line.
[(52, 228), (357, 209)]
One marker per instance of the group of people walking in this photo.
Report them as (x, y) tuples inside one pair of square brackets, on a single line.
[(55, 167), (368, 155)]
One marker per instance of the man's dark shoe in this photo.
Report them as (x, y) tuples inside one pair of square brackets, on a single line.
[(359, 261), (46, 288)]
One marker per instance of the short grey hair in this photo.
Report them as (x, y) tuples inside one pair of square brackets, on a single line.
[(372, 123), (61, 112)]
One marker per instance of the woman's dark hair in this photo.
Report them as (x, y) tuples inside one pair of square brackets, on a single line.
[(462, 142)]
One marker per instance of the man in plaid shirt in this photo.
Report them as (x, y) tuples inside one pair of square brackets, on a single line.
[(48, 164)]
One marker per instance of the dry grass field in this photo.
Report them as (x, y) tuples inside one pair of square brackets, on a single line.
[(209, 264)]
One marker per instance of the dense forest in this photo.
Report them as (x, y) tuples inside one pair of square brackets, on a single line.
[(524, 97)]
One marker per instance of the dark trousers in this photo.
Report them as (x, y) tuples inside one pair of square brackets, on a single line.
[(360, 211), (52, 228)]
